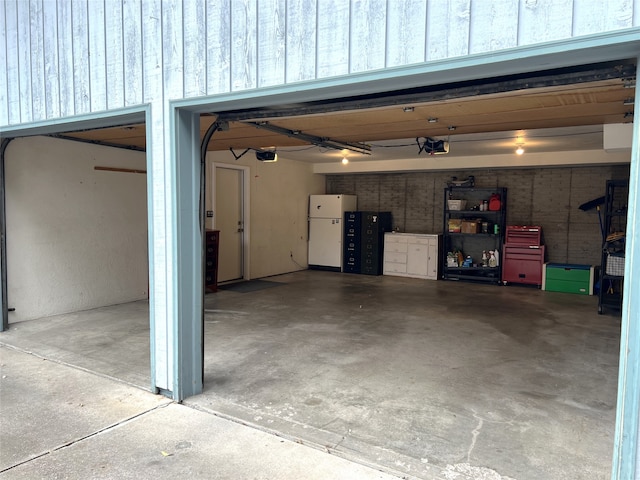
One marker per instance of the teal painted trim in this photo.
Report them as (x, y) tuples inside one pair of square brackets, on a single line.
[(625, 450), (151, 255), (618, 45), (178, 134), (108, 118), (187, 286)]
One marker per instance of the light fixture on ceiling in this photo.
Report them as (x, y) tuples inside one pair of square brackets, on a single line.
[(451, 128), (519, 145), (432, 120), (628, 101), (345, 160), (408, 109)]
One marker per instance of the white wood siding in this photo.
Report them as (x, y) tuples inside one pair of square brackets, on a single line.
[(51, 60), (64, 58), (36, 40), (218, 46), (195, 49), (368, 35), (97, 56), (494, 25), (131, 47), (24, 54), (244, 48), (300, 41), (405, 45), (271, 42), (545, 20), (4, 87), (114, 44), (448, 28), (603, 16), (80, 56)]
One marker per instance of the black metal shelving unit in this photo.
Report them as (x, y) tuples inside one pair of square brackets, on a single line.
[(614, 226), (473, 244)]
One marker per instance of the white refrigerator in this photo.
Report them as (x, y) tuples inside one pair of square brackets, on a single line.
[(326, 229)]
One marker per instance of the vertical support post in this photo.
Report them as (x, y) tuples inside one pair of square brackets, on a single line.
[(625, 450), (4, 305), (186, 231)]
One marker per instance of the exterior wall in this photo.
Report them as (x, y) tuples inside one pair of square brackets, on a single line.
[(279, 198), (65, 58), (76, 237)]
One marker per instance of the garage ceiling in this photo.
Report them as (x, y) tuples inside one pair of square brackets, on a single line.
[(549, 111)]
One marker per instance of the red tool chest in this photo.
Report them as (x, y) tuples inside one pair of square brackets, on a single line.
[(523, 255), (523, 235)]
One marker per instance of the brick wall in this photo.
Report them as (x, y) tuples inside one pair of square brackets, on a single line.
[(549, 197)]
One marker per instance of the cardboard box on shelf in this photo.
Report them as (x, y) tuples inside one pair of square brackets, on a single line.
[(470, 226), (454, 225)]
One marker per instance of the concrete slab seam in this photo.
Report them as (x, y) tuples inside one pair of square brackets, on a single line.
[(90, 435)]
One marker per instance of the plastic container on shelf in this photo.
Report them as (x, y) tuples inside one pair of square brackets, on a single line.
[(457, 204)]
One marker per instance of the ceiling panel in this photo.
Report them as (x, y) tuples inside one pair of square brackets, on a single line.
[(516, 113)]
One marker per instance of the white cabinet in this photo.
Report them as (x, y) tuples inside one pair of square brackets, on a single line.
[(411, 255)]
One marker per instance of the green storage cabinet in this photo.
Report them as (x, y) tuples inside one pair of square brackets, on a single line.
[(568, 278)]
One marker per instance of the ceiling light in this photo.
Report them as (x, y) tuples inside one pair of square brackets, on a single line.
[(408, 109), (519, 150), (629, 82), (519, 144), (432, 120), (628, 101), (451, 128), (628, 114), (345, 160)]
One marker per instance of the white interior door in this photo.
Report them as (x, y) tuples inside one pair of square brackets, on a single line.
[(229, 219)]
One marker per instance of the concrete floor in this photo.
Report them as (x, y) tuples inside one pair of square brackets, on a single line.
[(72, 424), (430, 379)]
